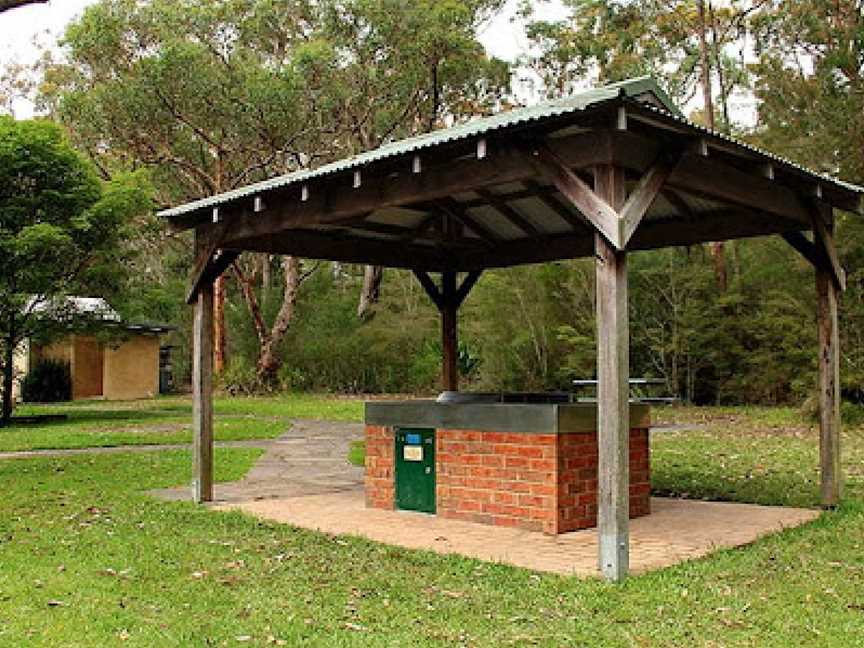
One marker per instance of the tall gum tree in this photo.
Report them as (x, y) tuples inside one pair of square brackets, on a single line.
[(214, 95)]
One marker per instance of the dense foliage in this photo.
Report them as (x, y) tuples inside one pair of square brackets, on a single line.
[(48, 381), (62, 233)]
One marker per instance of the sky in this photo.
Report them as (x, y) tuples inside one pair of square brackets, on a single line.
[(504, 37)]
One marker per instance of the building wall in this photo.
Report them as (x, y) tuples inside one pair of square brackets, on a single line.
[(127, 372), (380, 475), (132, 369), (88, 357), (537, 482)]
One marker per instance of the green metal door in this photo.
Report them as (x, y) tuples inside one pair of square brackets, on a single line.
[(415, 469)]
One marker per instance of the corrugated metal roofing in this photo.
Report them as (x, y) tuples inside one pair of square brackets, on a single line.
[(572, 104), (679, 118), (631, 88)]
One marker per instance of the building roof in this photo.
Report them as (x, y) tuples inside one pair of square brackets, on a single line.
[(516, 188), (643, 90), (97, 309)]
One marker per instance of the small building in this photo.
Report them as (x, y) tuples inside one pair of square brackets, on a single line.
[(126, 366)]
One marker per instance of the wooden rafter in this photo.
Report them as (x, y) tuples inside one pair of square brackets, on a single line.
[(509, 212), (576, 222), (678, 204), (453, 209)]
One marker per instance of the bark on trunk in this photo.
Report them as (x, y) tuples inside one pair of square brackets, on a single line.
[(8, 377), (715, 249), (371, 292), (219, 337), (269, 360)]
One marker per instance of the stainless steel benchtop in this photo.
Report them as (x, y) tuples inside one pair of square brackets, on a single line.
[(531, 418)]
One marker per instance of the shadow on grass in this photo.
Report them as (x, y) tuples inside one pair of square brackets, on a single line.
[(58, 416)]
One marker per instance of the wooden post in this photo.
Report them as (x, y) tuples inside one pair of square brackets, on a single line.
[(202, 395), (613, 410), (449, 336), (829, 387)]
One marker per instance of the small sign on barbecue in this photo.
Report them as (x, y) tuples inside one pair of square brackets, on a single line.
[(413, 453)]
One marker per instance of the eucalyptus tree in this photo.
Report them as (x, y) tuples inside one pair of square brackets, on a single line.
[(214, 95), (389, 69)]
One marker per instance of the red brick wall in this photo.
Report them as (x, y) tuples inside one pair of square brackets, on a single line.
[(577, 479), (380, 474), (497, 478), (539, 482)]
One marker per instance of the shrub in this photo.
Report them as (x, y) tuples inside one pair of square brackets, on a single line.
[(49, 381), (239, 378)]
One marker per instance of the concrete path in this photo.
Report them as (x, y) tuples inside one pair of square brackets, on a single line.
[(309, 459)]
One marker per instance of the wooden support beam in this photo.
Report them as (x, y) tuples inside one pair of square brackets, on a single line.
[(804, 246), (823, 238), (449, 335), (613, 410), (829, 387), (202, 395), (642, 196), (467, 284), (597, 210), (210, 260), (502, 164), (430, 288)]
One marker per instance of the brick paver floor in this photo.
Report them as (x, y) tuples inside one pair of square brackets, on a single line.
[(304, 479), (676, 530)]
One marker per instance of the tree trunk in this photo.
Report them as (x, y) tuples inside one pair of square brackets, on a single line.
[(716, 248), (219, 337), (705, 65), (8, 378), (268, 360), (371, 292)]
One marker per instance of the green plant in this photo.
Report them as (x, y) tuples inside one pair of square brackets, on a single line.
[(239, 377), (49, 381)]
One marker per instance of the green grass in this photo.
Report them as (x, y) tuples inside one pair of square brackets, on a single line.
[(86, 559), (169, 421), (357, 453), (759, 455)]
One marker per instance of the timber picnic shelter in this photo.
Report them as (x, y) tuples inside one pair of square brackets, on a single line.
[(600, 174)]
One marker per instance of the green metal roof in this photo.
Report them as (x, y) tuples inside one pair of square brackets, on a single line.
[(633, 89), (630, 88)]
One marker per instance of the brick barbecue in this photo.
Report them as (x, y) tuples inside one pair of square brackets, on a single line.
[(538, 473)]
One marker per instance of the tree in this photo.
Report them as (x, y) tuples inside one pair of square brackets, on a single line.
[(692, 47), (61, 234), (214, 95), (810, 87)]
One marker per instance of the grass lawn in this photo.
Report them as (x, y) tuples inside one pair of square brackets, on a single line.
[(169, 420), (86, 559)]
